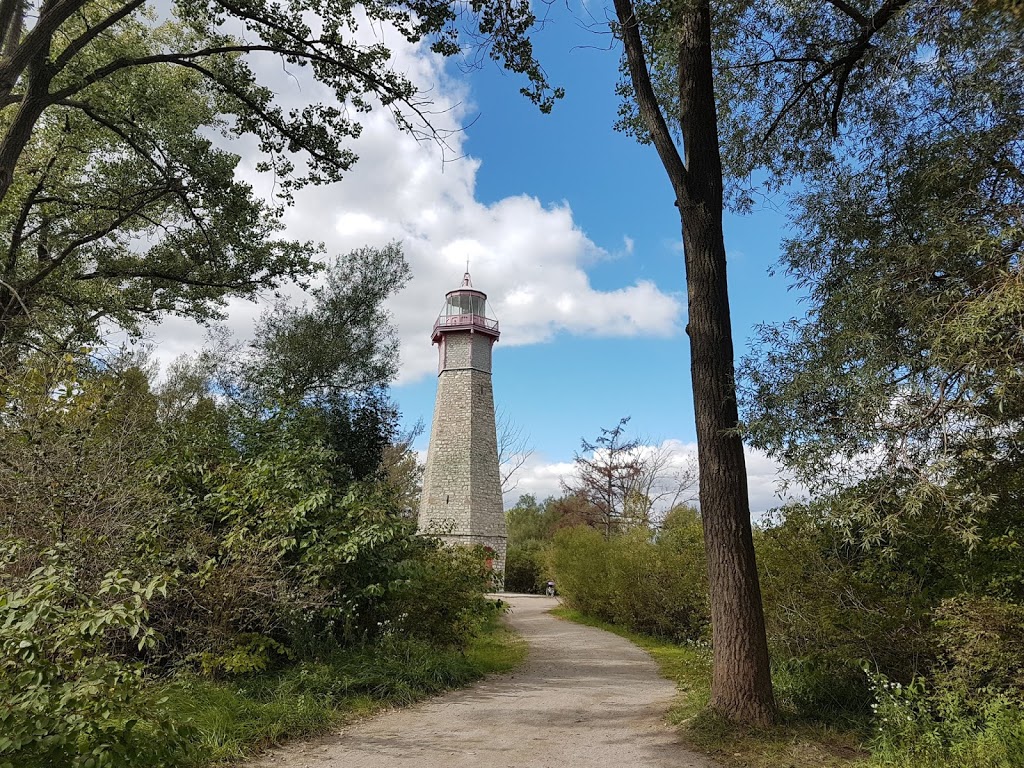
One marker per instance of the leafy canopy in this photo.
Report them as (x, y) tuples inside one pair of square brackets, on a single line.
[(116, 204)]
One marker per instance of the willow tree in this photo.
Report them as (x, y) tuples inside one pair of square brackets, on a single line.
[(722, 92), (899, 398)]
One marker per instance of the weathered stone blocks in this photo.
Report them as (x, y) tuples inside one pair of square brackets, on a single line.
[(461, 501)]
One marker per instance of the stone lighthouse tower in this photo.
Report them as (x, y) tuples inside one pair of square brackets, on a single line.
[(461, 501)]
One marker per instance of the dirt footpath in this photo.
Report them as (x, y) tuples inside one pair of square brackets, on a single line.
[(584, 698)]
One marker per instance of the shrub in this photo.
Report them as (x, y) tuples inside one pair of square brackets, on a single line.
[(579, 559), (982, 646), (526, 569), (67, 699), (656, 587), (441, 599), (830, 599), (921, 727), (822, 688)]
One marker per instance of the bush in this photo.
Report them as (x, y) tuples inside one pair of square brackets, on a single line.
[(441, 599), (823, 689), (579, 558), (68, 699), (832, 600), (526, 569), (278, 555), (982, 646), (655, 587), (921, 727)]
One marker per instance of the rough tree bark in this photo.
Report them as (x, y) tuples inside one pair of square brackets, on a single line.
[(741, 685)]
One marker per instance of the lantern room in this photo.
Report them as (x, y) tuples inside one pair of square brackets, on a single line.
[(465, 309)]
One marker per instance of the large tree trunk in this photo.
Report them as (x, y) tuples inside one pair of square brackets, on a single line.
[(741, 687)]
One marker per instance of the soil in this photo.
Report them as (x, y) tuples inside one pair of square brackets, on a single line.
[(584, 698)]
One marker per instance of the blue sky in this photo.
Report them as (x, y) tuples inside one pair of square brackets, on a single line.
[(571, 231), (572, 385)]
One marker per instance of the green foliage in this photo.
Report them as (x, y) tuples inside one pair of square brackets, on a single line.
[(922, 728), (655, 587), (273, 535), (822, 688), (530, 521), (949, 690), (248, 653), (127, 166), (829, 602), (289, 360), (981, 643), (71, 695), (578, 559), (526, 568), (441, 598), (118, 207), (531, 526), (899, 392), (66, 433)]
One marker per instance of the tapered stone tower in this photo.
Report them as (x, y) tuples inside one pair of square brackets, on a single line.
[(461, 501)]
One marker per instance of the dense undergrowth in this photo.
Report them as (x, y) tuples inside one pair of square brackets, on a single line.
[(240, 581), (201, 563)]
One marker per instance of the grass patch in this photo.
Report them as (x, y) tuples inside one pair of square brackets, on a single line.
[(233, 720), (791, 744)]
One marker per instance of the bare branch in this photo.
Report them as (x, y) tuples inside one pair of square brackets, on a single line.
[(514, 450)]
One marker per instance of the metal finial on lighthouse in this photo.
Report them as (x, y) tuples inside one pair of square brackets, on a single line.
[(461, 499)]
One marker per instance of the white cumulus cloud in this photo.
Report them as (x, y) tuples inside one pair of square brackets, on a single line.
[(527, 254)]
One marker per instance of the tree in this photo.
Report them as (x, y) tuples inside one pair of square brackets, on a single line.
[(116, 205), (606, 477), (402, 470), (289, 360), (530, 521), (741, 686), (666, 479), (514, 450), (899, 395), (621, 484), (784, 79)]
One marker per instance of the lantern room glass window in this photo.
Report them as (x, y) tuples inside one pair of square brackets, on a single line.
[(465, 304)]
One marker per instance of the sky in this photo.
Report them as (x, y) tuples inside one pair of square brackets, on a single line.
[(568, 226)]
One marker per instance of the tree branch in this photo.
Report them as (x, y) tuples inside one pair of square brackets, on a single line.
[(172, 182), (849, 10), (840, 69), (51, 16), (92, 33), (647, 101)]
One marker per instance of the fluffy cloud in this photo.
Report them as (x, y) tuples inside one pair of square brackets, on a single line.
[(528, 255)]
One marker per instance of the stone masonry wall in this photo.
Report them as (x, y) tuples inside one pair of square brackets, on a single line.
[(461, 499)]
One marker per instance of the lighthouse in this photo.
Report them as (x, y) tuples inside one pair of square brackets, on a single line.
[(461, 500)]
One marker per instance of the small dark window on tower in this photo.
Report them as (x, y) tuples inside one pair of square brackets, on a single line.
[(447, 499)]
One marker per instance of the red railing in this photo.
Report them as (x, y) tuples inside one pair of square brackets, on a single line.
[(476, 321)]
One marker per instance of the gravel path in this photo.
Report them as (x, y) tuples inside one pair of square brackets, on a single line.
[(584, 698)]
